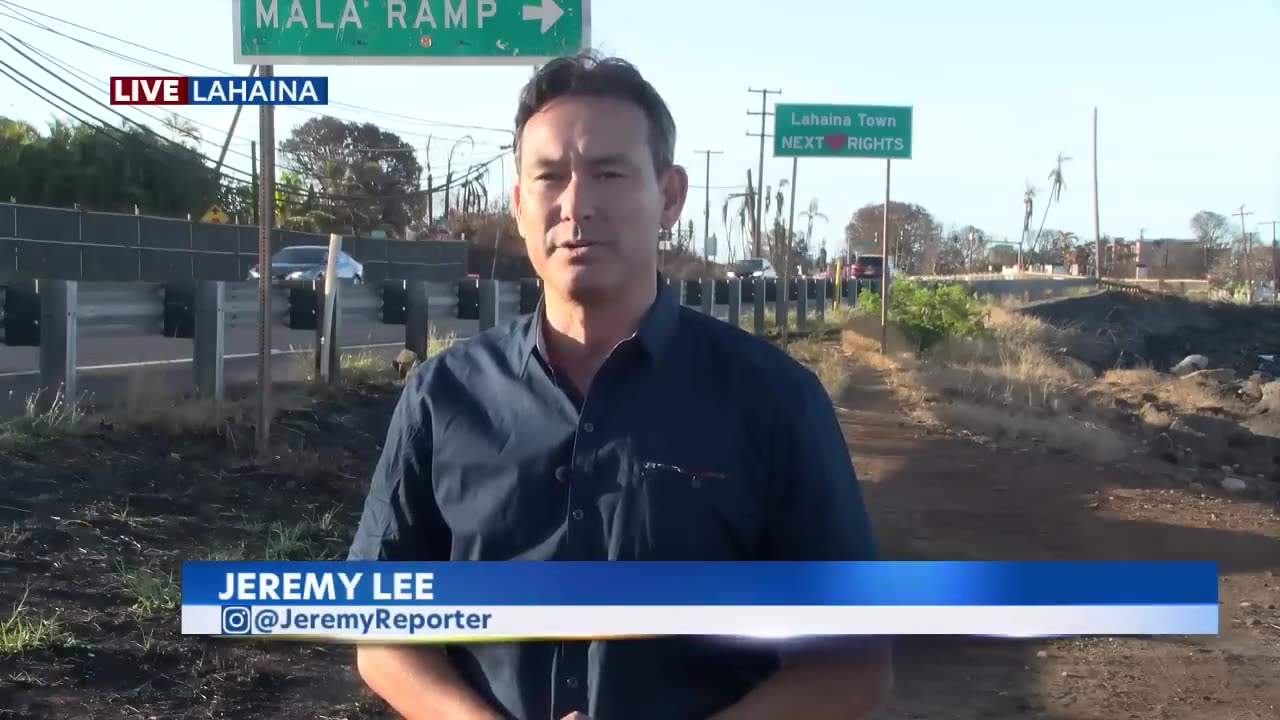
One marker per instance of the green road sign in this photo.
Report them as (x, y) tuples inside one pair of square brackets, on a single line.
[(853, 131), (409, 32)]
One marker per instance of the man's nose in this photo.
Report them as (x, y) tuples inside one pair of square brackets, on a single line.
[(576, 202)]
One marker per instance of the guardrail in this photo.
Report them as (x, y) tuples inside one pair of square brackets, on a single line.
[(54, 314)]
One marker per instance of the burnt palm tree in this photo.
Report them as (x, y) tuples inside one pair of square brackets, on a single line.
[(1056, 186)]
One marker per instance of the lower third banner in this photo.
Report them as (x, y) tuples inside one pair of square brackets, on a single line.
[(490, 601)]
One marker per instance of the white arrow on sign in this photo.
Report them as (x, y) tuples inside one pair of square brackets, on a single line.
[(548, 12)]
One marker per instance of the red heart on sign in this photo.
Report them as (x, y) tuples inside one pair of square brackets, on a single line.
[(835, 141)]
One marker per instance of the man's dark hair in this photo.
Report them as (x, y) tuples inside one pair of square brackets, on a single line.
[(587, 74)]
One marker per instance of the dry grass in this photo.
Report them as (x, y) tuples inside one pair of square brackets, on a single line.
[(1185, 394), (1015, 382), (826, 361)]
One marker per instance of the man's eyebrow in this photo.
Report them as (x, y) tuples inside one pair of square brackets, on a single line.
[(610, 159), (606, 160)]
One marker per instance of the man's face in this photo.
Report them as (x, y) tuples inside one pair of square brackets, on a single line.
[(587, 199)]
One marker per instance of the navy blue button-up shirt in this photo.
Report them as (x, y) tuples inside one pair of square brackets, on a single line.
[(695, 441)]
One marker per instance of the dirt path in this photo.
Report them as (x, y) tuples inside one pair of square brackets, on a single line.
[(936, 496)]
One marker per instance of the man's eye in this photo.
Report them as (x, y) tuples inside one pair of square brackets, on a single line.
[(609, 174)]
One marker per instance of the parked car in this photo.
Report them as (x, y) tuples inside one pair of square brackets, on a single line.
[(308, 263), (868, 267), (753, 268)]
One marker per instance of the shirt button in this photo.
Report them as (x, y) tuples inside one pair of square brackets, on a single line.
[(562, 474), (577, 513), (571, 681), (588, 427)]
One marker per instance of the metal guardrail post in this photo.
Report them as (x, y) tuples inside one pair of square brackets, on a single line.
[(209, 341), (781, 302), (58, 307), (822, 300), (489, 290), (676, 287), (802, 304), (759, 305), (708, 295), (735, 302), (416, 324)]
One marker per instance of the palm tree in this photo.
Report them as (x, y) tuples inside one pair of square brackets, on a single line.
[(1028, 206), (1056, 186), (1062, 245), (810, 214), (743, 214)]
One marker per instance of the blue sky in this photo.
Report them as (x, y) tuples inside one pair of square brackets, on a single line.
[(1188, 112)]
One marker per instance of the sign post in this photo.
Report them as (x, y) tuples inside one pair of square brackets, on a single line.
[(266, 222), (849, 131), (383, 32)]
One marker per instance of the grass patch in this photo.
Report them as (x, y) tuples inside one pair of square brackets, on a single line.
[(41, 420), (317, 536), (23, 631), (150, 588)]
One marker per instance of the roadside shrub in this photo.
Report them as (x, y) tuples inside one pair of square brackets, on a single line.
[(927, 314)]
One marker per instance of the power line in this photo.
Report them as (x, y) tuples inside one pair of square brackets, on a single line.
[(153, 66), (759, 209), (193, 63), (472, 172), (98, 125)]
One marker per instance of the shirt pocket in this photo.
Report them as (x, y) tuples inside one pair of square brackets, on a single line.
[(694, 513)]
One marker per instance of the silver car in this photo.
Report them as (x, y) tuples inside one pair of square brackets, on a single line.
[(307, 263)]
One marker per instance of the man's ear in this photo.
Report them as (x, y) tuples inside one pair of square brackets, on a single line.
[(674, 185)]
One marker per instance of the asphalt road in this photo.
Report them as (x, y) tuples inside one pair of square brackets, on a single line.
[(113, 370)]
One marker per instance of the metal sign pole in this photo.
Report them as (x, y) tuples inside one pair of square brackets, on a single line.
[(266, 219), (884, 266)]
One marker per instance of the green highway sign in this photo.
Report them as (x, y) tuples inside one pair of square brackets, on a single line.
[(409, 32), (847, 131)]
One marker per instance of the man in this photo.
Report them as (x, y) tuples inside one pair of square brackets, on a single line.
[(612, 424)]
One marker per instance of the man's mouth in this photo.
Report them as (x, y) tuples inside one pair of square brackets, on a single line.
[(576, 245)]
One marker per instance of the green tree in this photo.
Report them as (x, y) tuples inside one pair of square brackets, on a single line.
[(103, 168), (365, 178)]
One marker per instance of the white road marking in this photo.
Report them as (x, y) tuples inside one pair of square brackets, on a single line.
[(180, 361)]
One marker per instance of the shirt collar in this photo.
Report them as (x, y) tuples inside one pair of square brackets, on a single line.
[(656, 329)]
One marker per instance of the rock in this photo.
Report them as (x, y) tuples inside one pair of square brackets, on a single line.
[(1220, 431), (1234, 485), (1270, 401), (1150, 397), (1251, 389), (1190, 364), (1218, 375)]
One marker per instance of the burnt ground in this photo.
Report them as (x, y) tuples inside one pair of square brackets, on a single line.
[(92, 533), (92, 530), (1121, 329)]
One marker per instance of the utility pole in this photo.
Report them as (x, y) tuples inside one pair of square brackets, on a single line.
[(706, 211), (1275, 262), (1248, 250), (1097, 232), (226, 144), (764, 113)]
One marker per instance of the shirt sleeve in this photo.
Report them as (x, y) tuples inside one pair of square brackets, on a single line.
[(816, 509), (401, 520)]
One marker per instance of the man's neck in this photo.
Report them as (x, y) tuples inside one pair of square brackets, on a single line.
[(579, 338)]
